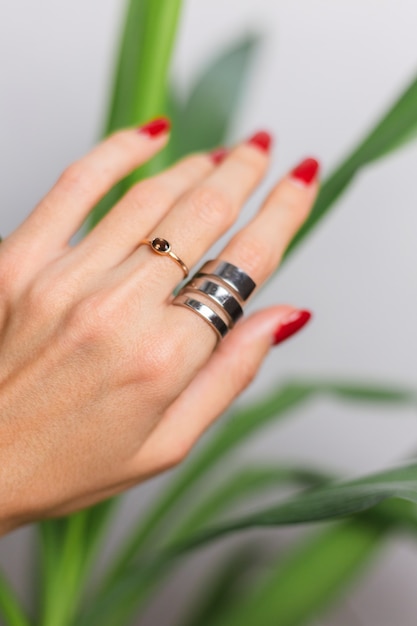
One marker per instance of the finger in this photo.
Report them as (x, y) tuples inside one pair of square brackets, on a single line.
[(260, 245), (117, 235), (227, 373), (202, 215), (59, 215), (256, 249)]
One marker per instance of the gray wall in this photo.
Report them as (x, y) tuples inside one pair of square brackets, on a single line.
[(327, 69)]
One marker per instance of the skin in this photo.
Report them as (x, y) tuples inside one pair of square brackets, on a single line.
[(99, 389)]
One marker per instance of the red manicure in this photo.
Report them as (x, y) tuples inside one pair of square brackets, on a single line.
[(290, 326), (218, 155), (156, 127), (261, 140), (306, 171)]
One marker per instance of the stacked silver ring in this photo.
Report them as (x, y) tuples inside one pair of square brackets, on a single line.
[(217, 293)]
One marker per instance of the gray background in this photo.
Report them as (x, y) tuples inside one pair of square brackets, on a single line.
[(325, 72)]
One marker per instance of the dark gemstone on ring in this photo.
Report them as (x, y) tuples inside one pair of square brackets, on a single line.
[(161, 245)]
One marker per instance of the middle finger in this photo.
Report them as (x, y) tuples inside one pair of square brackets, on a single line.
[(201, 216)]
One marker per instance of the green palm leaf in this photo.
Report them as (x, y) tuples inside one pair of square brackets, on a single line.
[(333, 501), (141, 77), (202, 121), (240, 426), (224, 588), (299, 587), (240, 487), (394, 130)]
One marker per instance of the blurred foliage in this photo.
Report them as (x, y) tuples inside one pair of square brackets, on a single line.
[(247, 588)]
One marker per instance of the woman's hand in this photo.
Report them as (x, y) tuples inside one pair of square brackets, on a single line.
[(103, 381)]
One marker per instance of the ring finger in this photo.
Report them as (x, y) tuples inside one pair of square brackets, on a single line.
[(256, 249)]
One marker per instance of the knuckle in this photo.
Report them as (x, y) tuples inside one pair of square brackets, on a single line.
[(153, 363), (244, 374), (10, 267), (253, 255), (249, 160), (149, 356), (292, 202), (122, 145), (81, 179), (45, 297), (289, 198), (158, 360), (212, 206), (291, 210), (300, 211), (120, 140), (148, 193), (247, 374), (74, 178), (177, 453), (193, 166), (92, 319)]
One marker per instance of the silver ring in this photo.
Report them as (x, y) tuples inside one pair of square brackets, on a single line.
[(205, 312), (241, 283), (219, 294)]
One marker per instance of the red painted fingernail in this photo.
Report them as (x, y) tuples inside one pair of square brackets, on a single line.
[(290, 326), (306, 171), (218, 155), (156, 127), (261, 140)]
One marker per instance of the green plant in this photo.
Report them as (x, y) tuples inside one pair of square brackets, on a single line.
[(291, 590)]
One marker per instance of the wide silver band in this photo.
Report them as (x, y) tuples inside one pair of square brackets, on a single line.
[(205, 312), (241, 283), (219, 294), (222, 283)]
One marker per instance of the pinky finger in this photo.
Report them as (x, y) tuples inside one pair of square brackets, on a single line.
[(230, 369)]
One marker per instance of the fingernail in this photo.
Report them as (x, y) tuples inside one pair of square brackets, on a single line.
[(294, 322), (261, 140), (306, 171), (156, 127), (218, 155)]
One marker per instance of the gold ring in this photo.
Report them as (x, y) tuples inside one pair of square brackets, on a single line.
[(163, 247)]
